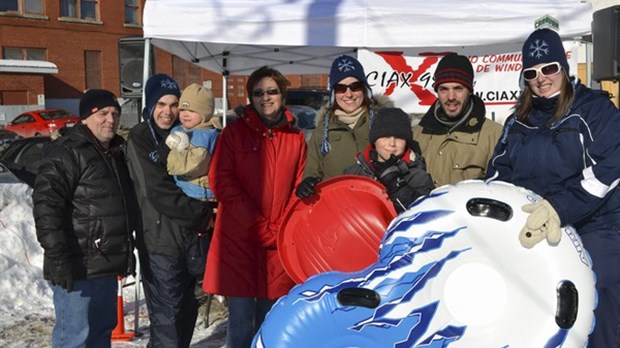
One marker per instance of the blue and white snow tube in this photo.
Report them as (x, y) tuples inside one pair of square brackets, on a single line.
[(451, 273)]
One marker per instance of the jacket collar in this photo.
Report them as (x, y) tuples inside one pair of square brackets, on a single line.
[(472, 125), (406, 157), (252, 119)]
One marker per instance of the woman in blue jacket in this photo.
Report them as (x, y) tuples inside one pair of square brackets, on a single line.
[(563, 142)]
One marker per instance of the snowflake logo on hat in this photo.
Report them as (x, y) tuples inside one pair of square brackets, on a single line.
[(346, 65), (537, 48), (169, 84)]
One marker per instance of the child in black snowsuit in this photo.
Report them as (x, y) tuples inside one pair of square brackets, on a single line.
[(393, 158)]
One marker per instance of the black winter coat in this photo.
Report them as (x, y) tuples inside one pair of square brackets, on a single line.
[(170, 219), (405, 181), (84, 205)]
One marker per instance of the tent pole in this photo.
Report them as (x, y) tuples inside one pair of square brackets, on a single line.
[(224, 98), (225, 74), (145, 73), (588, 65)]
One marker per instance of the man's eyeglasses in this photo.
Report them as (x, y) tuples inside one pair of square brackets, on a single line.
[(355, 87), (257, 93), (546, 70)]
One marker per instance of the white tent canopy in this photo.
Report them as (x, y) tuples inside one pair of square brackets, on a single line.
[(303, 36)]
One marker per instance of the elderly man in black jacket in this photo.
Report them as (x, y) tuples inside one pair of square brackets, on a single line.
[(84, 206), (169, 243)]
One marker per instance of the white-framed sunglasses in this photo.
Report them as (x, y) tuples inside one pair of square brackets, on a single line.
[(546, 70)]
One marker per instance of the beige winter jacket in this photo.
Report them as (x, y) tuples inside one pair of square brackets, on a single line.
[(461, 154)]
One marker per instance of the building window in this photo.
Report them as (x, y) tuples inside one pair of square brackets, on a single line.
[(83, 9), (23, 53), (22, 6), (132, 11), (9, 5), (33, 6), (92, 68)]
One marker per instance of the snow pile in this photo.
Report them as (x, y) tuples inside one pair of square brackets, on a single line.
[(26, 307), (23, 290)]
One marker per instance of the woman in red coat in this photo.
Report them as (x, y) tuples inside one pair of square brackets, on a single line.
[(258, 162)]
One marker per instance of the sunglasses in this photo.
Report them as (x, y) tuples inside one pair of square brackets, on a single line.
[(354, 87), (257, 93), (546, 70)]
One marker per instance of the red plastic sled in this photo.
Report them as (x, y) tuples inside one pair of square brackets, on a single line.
[(338, 229)]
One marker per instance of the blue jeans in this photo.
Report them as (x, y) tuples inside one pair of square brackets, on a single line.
[(86, 316), (245, 316)]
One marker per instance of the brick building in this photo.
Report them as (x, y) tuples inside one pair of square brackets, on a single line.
[(81, 39)]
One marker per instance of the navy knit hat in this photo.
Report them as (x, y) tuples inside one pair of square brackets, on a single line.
[(343, 67), (454, 68), (94, 100), (158, 86), (544, 46), (391, 122)]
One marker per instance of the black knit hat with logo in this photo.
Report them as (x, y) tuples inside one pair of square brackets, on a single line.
[(156, 87), (454, 68), (95, 99), (391, 122)]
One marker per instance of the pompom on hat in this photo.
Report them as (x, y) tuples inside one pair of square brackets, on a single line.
[(198, 99), (158, 86), (95, 99), (544, 46), (454, 68), (391, 122)]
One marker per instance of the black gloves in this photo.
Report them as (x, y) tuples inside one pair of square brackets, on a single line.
[(306, 187), (392, 181), (62, 274), (393, 174)]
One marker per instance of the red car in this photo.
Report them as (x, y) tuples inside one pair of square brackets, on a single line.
[(41, 122)]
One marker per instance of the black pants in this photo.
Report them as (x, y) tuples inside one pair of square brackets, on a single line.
[(169, 283)]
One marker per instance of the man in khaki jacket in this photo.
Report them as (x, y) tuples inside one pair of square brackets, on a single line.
[(456, 138)]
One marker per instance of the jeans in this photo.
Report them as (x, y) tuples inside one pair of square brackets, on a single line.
[(86, 316), (245, 316)]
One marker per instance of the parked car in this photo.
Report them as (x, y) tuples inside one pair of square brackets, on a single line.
[(7, 177), (305, 117), (314, 98), (41, 122), (6, 136), (23, 157)]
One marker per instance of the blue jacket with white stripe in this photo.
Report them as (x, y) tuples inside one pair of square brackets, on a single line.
[(574, 162)]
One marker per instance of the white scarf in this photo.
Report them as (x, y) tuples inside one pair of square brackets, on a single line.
[(350, 119)]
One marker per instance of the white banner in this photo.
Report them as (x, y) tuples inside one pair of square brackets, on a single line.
[(406, 77)]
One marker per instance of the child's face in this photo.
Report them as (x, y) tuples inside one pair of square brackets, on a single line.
[(189, 119), (387, 146)]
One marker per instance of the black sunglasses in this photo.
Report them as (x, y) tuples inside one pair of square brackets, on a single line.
[(355, 87), (257, 93), (546, 70)]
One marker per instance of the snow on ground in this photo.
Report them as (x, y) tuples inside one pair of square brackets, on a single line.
[(26, 307)]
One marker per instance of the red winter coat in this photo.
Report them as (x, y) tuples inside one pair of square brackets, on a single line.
[(254, 172)]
